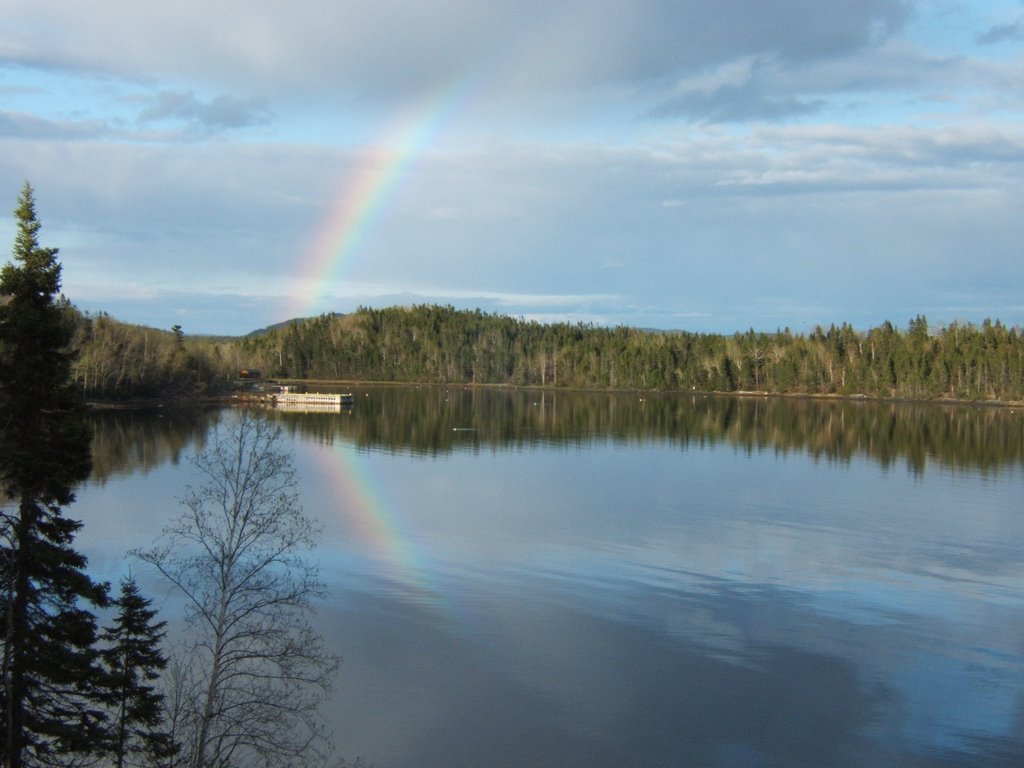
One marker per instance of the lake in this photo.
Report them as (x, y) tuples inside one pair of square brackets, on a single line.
[(528, 578)]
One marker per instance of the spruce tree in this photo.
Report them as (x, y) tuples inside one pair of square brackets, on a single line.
[(134, 661), (50, 708)]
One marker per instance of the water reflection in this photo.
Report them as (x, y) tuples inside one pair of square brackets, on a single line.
[(438, 420), (537, 578), (128, 440)]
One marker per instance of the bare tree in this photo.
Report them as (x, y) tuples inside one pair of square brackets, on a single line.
[(253, 672)]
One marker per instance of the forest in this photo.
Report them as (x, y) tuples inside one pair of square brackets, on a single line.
[(443, 345)]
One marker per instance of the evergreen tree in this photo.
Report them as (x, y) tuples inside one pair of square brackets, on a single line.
[(134, 661), (49, 709)]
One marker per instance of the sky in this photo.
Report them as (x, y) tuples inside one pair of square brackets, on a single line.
[(676, 164)]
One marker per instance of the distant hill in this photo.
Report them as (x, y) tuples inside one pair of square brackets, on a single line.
[(440, 344), (285, 323)]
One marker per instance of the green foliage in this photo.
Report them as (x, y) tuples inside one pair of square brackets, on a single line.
[(431, 344), (442, 345), (439, 344), (49, 708)]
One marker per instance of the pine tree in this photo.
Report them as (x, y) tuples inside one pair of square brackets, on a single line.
[(50, 709), (134, 661)]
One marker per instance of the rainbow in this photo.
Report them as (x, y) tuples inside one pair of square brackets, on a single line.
[(377, 530), (364, 195), (359, 205)]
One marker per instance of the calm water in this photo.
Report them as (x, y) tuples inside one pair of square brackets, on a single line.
[(529, 578)]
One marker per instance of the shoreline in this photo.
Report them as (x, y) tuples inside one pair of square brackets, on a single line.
[(230, 398)]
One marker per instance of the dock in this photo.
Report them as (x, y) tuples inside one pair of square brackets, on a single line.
[(312, 398)]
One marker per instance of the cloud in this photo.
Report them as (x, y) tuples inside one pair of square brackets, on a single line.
[(28, 126), (1002, 33), (738, 91), (219, 113), (20, 125), (735, 104), (756, 222), (833, 159), (888, 79), (344, 66), (356, 51)]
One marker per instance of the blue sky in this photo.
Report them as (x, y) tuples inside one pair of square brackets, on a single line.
[(694, 165)]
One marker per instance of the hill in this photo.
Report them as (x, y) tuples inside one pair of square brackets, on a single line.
[(439, 344)]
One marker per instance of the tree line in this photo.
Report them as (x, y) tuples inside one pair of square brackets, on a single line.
[(443, 345), (247, 674), (439, 344)]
